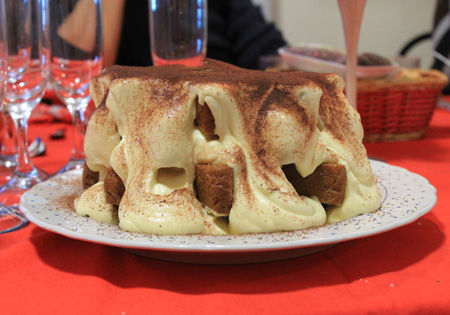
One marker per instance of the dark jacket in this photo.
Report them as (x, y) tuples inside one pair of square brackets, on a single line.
[(441, 38)]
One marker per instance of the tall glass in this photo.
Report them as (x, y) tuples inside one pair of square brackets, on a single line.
[(27, 70), (10, 219), (178, 31), (76, 57)]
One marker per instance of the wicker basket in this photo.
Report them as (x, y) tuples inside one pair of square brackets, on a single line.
[(399, 108)]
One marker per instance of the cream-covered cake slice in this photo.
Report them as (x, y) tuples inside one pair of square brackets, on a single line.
[(218, 149)]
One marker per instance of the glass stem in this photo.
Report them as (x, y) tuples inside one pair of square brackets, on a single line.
[(9, 139), (79, 129), (24, 164)]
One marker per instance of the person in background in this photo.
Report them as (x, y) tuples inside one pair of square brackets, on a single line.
[(237, 33), (441, 39)]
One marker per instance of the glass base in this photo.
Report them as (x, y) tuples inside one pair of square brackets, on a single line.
[(195, 61), (73, 164), (11, 192), (10, 220)]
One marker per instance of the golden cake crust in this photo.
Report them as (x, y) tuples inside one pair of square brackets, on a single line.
[(214, 186)]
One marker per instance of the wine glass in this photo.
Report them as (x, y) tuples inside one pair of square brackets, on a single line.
[(10, 219), (178, 31), (27, 70), (76, 57)]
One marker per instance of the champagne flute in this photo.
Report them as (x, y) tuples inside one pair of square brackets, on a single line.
[(10, 220), (76, 57), (27, 70), (178, 31)]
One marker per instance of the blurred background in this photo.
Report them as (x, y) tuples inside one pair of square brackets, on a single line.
[(387, 26)]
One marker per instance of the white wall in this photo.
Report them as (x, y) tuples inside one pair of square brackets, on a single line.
[(387, 24)]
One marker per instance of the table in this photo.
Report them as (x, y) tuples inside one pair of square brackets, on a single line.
[(406, 270)]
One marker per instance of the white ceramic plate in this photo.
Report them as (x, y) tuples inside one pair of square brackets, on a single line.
[(405, 197), (307, 63)]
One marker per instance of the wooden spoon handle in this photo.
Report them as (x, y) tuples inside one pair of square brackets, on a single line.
[(351, 14)]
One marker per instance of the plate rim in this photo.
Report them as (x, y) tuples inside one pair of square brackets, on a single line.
[(223, 248)]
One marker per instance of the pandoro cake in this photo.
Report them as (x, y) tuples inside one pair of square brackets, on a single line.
[(218, 149)]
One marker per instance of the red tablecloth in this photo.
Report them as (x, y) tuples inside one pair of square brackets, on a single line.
[(406, 270)]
